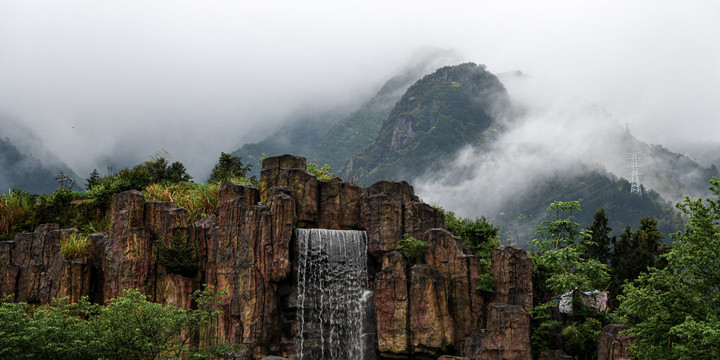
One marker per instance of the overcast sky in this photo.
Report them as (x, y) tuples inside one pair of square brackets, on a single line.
[(129, 78)]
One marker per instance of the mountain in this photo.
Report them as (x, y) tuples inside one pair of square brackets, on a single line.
[(437, 115), (297, 137), (325, 138), (25, 163)]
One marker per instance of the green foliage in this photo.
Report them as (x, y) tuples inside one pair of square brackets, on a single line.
[(600, 245), (74, 245), (559, 264), (634, 253), (228, 167), (93, 180), (413, 249), (581, 338), (674, 311), (487, 284), (155, 170), (200, 200), (324, 172), (542, 327), (15, 212), (179, 255), (128, 327), (479, 235)]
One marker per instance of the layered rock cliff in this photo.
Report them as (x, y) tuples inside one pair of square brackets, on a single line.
[(421, 311)]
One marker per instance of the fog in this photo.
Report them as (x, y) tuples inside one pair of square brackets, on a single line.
[(117, 81)]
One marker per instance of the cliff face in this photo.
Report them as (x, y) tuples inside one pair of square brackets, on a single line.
[(421, 311)]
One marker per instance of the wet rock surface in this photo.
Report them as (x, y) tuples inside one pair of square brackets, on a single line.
[(421, 311)]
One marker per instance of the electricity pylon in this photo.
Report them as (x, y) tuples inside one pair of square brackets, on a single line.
[(635, 174)]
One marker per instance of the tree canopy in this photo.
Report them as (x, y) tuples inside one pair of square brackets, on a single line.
[(675, 311)]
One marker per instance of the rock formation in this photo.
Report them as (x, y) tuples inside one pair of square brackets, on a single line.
[(612, 345), (422, 311)]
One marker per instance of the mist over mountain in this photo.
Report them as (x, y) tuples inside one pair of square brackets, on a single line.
[(25, 163)]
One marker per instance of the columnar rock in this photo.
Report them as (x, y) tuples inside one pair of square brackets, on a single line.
[(507, 335), (466, 303), (431, 326), (338, 205), (512, 271), (612, 345), (391, 305)]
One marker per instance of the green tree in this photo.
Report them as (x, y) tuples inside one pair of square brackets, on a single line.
[(324, 172), (228, 167), (674, 311), (93, 180), (600, 245), (559, 264), (634, 253)]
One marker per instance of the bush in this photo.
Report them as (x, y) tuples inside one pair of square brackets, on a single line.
[(324, 173), (128, 327), (200, 200), (15, 212), (413, 249), (74, 245), (179, 255), (479, 235)]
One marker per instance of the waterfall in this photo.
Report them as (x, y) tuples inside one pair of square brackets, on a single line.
[(333, 294)]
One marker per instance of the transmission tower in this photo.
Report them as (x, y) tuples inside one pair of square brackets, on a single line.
[(66, 182), (635, 158)]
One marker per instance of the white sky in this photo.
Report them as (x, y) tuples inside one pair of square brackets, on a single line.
[(98, 79)]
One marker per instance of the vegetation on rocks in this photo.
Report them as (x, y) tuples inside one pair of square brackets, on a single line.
[(74, 245), (413, 249)]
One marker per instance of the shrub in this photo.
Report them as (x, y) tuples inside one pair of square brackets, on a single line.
[(179, 255), (479, 235), (128, 327), (200, 200), (15, 212), (413, 249), (487, 284), (74, 245), (324, 172)]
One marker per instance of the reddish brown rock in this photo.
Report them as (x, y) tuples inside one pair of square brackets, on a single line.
[(339, 205), (382, 219), (419, 217), (271, 169), (37, 256), (74, 279), (431, 326), (512, 271), (391, 305), (507, 336), (612, 345), (8, 270), (400, 190), (445, 253), (127, 262)]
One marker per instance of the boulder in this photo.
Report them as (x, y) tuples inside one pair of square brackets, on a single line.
[(507, 336), (431, 326)]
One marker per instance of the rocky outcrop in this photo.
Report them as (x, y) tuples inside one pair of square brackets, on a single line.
[(421, 311), (512, 271), (612, 345)]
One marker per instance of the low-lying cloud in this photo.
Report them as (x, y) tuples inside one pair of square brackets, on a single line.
[(118, 81)]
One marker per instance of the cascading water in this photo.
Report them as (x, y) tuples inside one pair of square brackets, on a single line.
[(332, 287)]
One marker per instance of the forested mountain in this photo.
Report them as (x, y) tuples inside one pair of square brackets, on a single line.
[(24, 163), (333, 137), (439, 114)]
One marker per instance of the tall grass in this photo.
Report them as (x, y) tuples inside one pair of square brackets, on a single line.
[(200, 200), (16, 209), (74, 245)]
